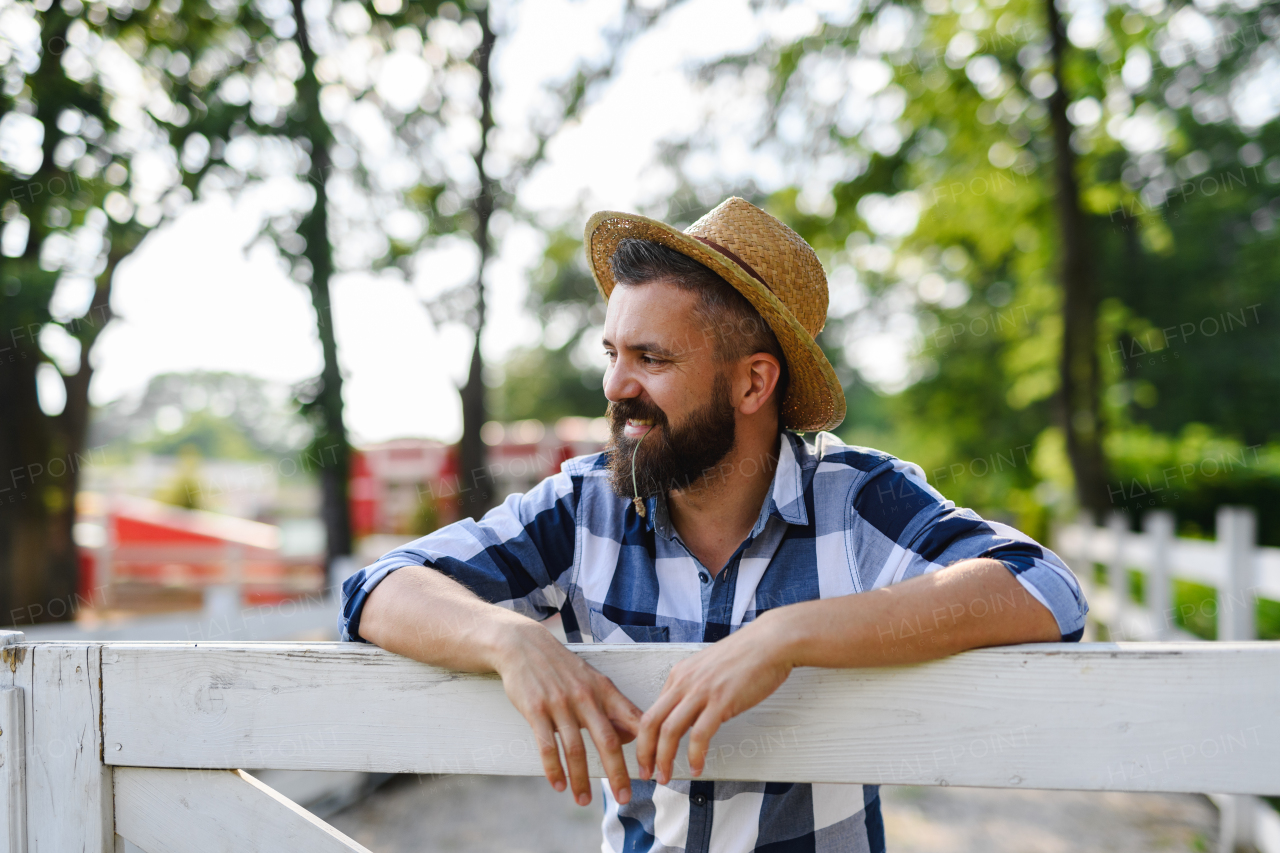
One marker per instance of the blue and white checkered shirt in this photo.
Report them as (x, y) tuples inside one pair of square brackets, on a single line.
[(838, 520)]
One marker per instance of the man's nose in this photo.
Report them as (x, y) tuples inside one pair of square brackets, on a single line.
[(620, 383)]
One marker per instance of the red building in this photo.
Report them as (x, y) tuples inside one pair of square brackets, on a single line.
[(408, 486)]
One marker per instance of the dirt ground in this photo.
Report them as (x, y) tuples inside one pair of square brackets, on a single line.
[(481, 814)]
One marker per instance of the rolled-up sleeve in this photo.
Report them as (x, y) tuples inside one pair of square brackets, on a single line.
[(913, 530), (513, 557)]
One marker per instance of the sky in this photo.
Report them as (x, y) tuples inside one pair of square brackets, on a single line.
[(200, 294)]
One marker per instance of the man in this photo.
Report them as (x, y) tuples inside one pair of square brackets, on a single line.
[(705, 521)]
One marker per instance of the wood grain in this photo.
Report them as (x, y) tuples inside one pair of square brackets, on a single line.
[(13, 771), (68, 788), (1132, 717)]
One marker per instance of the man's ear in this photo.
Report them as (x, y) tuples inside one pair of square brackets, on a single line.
[(762, 372)]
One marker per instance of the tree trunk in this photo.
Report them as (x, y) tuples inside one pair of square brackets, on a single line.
[(330, 445), (478, 493), (41, 456), (71, 429), (25, 445), (1079, 410)]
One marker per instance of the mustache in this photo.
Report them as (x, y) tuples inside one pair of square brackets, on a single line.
[(621, 411)]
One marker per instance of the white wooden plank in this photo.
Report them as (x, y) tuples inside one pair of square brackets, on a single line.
[(1237, 535), (1158, 586), (68, 788), (1140, 717), (216, 811), (13, 772)]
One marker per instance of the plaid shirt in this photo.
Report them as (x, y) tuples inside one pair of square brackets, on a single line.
[(838, 520)]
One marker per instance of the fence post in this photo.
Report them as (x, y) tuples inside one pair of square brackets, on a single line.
[(1158, 525), (1236, 608), (1236, 621), (1236, 820), (1117, 577)]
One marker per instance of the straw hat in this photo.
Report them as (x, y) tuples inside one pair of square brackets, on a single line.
[(769, 264)]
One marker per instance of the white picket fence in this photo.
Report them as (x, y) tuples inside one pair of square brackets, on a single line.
[(1234, 565), (106, 741)]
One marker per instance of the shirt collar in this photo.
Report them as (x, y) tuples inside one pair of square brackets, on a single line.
[(785, 499)]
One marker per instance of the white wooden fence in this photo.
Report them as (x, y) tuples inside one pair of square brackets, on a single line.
[(1239, 570), (101, 742)]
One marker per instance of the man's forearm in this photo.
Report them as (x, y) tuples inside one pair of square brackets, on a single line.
[(973, 604), (420, 613)]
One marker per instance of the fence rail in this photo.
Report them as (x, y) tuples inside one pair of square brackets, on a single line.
[(146, 739)]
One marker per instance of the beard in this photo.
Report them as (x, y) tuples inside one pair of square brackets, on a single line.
[(675, 458)]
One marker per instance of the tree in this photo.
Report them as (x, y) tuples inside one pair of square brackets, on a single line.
[(255, 92), (1079, 410), (525, 149), (72, 138), (945, 159)]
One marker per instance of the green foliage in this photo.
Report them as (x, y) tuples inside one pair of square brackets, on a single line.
[(209, 436), (554, 379), (220, 415), (1193, 473), (185, 489), (1183, 231), (1184, 234), (426, 518), (545, 384)]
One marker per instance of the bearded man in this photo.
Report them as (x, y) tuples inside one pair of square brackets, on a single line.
[(708, 519)]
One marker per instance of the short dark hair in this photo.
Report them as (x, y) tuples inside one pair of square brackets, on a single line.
[(738, 328)]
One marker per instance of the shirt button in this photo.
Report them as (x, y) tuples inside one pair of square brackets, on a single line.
[(699, 799), (704, 577)]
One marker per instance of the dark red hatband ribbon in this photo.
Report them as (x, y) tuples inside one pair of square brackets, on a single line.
[(733, 257)]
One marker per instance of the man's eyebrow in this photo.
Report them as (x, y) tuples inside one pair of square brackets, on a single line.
[(650, 347)]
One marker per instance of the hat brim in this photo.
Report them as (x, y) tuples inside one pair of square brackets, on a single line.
[(815, 400)]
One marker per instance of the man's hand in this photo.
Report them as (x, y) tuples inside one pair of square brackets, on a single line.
[(705, 690), (420, 613), (558, 693)]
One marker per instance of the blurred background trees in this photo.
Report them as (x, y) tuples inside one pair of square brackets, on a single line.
[(1076, 236), (1050, 232), (70, 128)]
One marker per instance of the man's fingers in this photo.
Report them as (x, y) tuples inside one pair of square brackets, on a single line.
[(700, 738), (575, 757), (650, 729), (548, 751), (669, 734), (609, 746), (624, 715)]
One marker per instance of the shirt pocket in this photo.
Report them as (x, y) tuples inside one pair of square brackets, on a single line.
[(605, 630)]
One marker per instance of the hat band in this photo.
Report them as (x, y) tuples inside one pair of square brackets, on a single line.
[(733, 257)]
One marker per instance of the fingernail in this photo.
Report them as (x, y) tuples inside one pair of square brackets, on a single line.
[(583, 799), (559, 786), (623, 796)]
